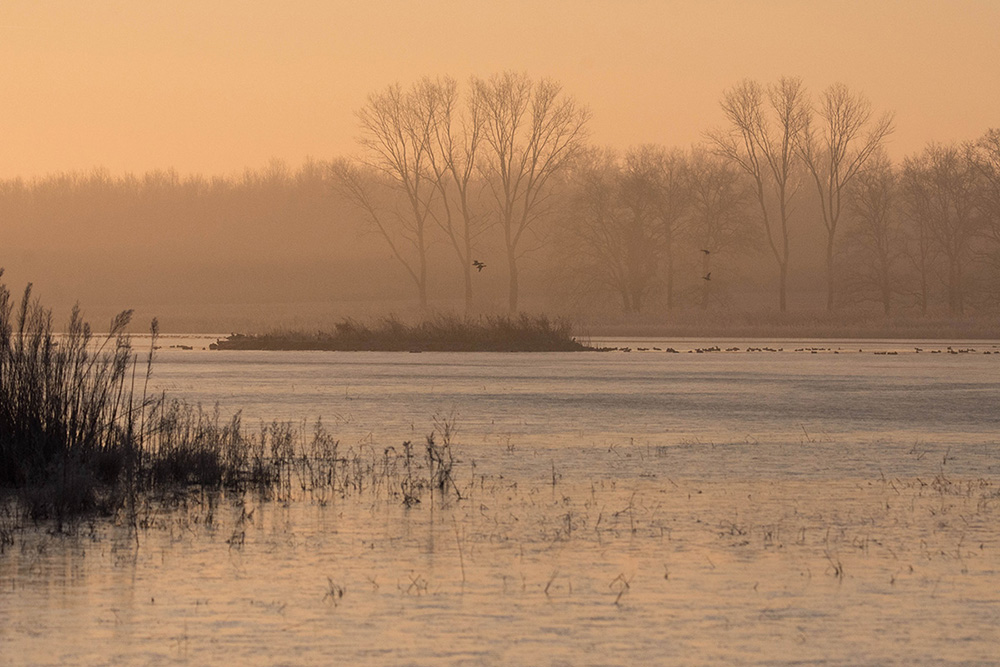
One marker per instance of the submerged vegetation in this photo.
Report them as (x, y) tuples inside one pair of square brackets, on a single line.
[(80, 432), (441, 334)]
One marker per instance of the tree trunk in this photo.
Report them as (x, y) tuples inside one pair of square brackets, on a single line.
[(422, 291), (783, 287), (512, 290), (670, 278), (705, 284), (886, 291), (952, 291), (626, 302), (923, 291), (955, 296), (468, 289), (829, 272), (422, 282)]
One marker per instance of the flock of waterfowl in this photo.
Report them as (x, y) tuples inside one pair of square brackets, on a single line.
[(994, 349)]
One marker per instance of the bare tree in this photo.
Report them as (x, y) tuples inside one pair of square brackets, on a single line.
[(940, 189), (612, 236), (530, 130), (875, 240), (655, 184), (986, 159), (377, 197), (765, 128), (453, 136), (394, 136), (847, 137), (719, 217), (920, 248)]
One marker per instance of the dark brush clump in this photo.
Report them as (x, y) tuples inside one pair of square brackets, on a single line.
[(441, 334)]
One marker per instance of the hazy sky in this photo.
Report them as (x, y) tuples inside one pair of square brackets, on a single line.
[(213, 86)]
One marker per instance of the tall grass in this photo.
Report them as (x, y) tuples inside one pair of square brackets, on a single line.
[(79, 432), (445, 333), (68, 419)]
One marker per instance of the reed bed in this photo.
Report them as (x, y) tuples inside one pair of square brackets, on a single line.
[(443, 333), (80, 433)]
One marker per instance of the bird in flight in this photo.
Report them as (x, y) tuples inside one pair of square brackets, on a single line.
[(479, 265), (706, 251), (707, 276)]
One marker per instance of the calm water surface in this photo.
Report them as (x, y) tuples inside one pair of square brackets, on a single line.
[(818, 504)]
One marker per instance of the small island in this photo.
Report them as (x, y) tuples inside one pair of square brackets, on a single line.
[(442, 334)]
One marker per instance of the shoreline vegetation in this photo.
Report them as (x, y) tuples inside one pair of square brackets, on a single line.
[(81, 434), (440, 334)]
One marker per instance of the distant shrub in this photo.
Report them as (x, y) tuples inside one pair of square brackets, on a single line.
[(444, 333)]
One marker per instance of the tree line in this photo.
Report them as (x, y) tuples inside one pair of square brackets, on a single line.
[(511, 154), (460, 184)]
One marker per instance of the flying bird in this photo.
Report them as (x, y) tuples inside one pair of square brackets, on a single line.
[(707, 276), (479, 265), (706, 251)]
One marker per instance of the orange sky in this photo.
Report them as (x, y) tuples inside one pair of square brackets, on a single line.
[(213, 86)]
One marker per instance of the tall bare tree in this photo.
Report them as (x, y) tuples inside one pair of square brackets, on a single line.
[(847, 136), (453, 136), (986, 156), (612, 234), (765, 126), (920, 248), (394, 136), (987, 161), (940, 188), (530, 129), (655, 179), (875, 240), (719, 217), (377, 197)]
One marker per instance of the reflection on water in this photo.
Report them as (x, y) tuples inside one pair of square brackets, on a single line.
[(569, 397), (619, 508)]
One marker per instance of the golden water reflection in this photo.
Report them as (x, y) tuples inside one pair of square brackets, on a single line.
[(541, 568)]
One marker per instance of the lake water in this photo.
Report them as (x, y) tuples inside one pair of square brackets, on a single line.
[(780, 502)]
